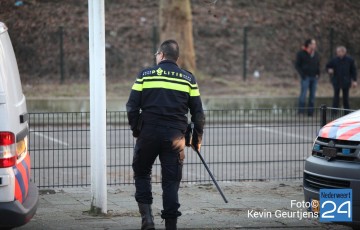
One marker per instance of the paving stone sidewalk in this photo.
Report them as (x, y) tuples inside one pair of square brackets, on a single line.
[(252, 205)]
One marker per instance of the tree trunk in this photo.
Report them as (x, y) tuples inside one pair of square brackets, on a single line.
[(176, 23)]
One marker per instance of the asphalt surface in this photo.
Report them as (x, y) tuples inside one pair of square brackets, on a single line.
[(252, 205)]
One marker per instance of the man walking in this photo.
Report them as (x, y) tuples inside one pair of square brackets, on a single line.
[(157, 112), (342, 71), (308, 66)]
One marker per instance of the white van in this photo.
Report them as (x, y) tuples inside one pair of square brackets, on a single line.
[(18, 196)]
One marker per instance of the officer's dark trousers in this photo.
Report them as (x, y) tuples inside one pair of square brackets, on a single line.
[(168, 144)]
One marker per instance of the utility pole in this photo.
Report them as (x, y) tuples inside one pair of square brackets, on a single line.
[(97, 106)]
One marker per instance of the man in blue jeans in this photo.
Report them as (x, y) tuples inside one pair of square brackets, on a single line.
[(308, 66)]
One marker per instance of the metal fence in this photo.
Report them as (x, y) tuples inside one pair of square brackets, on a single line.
[(238, 145)]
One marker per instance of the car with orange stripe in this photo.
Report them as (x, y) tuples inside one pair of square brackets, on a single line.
[(335, 161), (18, 195)]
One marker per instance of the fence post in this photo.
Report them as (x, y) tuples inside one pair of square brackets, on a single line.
[(61, 35), (154, 40), (331, 43), (245, 52), (323, 119)]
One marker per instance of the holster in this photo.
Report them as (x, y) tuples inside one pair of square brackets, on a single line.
[(188, 135), (137, 129), (139, 123)]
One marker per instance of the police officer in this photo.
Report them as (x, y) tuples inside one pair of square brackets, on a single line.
[(157, 112)]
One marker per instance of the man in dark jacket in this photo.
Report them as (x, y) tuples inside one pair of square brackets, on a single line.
[(342, 71), (308, 66), (164, 94)]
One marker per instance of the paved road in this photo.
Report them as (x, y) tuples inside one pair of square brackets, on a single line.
[(201, 206)]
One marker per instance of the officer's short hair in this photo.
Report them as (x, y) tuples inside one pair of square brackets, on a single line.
[(170, 48)]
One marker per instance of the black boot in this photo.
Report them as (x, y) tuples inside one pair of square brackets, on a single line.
[(147, 219), (170, 224)]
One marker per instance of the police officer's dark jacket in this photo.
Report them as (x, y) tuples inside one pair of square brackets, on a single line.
[(164, 94)]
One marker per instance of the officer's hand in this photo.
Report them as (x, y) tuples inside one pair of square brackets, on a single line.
[(330, 71), (196, 147)]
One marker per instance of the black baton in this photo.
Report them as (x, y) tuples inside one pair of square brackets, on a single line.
[(207, 168)]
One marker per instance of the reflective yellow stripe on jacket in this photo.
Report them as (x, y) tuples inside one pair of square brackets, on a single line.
[(157, 82)]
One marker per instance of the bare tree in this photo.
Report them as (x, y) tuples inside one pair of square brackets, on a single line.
[(176, 23)]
